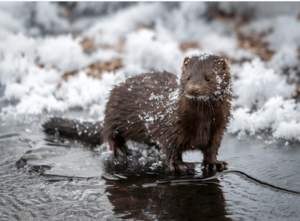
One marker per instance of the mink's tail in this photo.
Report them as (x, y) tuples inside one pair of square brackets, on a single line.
[(85, 131)]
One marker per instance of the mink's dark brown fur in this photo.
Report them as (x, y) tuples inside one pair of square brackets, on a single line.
[(175, 115)]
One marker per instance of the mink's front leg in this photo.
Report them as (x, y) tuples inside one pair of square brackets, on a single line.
[(210, 153), (210, 162)]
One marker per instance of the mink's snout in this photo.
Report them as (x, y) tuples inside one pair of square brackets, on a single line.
[(195, 91)]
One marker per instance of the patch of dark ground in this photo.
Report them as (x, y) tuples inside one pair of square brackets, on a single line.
[(50, 178)]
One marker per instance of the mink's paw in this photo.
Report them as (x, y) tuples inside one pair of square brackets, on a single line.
[(181, 167), (217, 165)]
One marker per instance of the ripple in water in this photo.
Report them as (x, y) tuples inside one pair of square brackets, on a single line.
[(60, 194)]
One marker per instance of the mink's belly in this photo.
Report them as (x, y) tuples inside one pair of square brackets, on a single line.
[(141, 106)]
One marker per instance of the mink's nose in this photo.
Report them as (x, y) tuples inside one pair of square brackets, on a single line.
[(194, 90)]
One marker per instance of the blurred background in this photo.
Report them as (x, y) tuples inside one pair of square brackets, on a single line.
[(57, 57)]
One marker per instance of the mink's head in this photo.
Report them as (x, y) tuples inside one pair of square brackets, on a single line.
[(205, 77)]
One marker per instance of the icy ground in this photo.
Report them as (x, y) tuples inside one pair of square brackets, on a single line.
[(55, 57)]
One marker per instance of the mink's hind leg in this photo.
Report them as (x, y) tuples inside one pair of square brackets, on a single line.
[(118, 146)]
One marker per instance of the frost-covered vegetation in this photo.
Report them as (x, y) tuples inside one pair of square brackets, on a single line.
[(54, 56)]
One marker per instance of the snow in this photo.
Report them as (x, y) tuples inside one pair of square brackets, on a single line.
[(35, 33), (257, 84), (285, 57), (260, 9), (83, 89), (49, 16), (110, 29), (156, 97), (62, 52), (34, 87), (7, 22), (284, 38), (279, 115), (174, 96), (147, 52), (219, 44)]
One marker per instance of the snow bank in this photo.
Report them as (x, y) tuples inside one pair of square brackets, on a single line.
[(110, 29), (279, 115), (7, 22), (260, 9), (50, 17), (34, 33), (84, 91), (284, 38), (37, 17), (256, 84), (147, 52), (186, 23), (103, 8), (32, 86), (62, 52), (21, 12)]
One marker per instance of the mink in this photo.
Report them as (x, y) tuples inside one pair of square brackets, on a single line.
[(175, 115)]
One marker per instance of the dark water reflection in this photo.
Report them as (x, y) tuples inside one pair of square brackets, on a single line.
[(168, 202), (61, 180)]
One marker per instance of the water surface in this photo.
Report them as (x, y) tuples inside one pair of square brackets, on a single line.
[(49, 178)]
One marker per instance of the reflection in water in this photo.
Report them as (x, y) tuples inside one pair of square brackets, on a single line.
[(167, 202), (139, 197)]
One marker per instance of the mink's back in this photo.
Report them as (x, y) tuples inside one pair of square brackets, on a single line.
[(139, 105)]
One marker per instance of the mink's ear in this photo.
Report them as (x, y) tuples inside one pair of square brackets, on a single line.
[(185, 62), (222, 64)]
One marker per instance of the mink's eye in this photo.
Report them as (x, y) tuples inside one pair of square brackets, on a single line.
[(188, 78), (207, 79)]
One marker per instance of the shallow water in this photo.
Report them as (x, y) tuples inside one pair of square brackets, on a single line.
[(49, 178)]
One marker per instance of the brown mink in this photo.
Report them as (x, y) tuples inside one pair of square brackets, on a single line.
[(159, 109)]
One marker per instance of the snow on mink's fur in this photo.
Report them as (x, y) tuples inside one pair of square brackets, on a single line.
[(159, 109)]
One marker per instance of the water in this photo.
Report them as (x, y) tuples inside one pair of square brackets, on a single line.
[(48, 178)]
